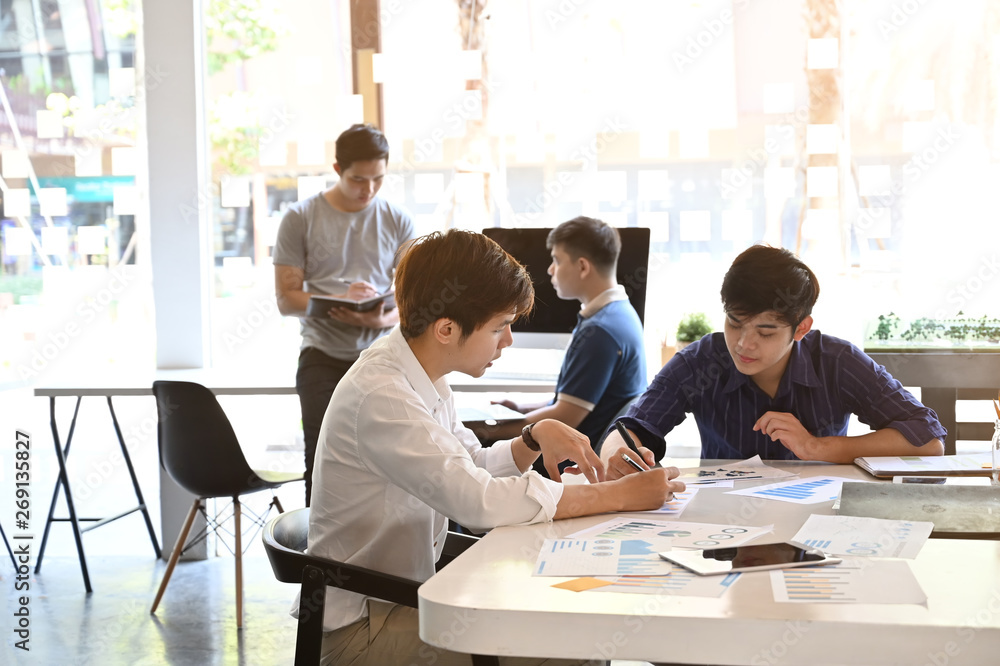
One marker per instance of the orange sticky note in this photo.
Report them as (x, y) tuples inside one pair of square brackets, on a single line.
[(582, 584)]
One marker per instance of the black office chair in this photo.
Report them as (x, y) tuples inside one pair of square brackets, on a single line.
[(199, 450), (285, 539)]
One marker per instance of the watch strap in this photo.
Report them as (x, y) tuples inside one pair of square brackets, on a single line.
[(528, 440)]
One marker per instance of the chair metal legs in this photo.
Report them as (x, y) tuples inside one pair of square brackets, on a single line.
[(239, 562), (176, 553)]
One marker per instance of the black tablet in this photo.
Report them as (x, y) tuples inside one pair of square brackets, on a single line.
[(757, 557), (319, 306)]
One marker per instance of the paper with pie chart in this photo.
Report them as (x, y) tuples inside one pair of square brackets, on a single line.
[(857, 536), (681, 534)]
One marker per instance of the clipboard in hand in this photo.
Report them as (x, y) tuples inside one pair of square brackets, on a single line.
[(319, 306)]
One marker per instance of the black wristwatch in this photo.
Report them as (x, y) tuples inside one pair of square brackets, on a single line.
[(528, 440)]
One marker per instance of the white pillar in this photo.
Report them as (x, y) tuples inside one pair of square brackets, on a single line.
[(170, 63)]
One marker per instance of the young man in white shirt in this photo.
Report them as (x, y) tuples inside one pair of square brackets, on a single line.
[(394, 463)]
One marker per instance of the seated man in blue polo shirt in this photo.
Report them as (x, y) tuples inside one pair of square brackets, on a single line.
[(770, 385), (605, 363)]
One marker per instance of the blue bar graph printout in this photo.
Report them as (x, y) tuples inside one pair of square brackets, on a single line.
[(810, 491)]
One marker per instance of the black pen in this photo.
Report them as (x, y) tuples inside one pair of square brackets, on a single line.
[(628, 438), (626, 458)]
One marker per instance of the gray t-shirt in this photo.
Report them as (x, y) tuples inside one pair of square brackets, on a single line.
[(328, 244)]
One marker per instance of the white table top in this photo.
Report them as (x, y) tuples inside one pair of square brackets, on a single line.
[(488, 602), (247, 382), (221, 382)]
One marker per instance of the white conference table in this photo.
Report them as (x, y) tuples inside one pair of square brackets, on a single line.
[(487, 602)]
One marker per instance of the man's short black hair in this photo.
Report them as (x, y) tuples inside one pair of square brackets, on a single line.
[(361, 143), (594, 240), (764, 278), (459, 275)]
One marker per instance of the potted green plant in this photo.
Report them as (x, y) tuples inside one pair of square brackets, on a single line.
[(692, 327)]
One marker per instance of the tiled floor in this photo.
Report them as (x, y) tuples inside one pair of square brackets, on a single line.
[(195, 624)]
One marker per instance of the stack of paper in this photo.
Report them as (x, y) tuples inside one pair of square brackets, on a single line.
[(976, 464)]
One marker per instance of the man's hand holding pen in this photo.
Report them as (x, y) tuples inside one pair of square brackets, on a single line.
[(632, 459)]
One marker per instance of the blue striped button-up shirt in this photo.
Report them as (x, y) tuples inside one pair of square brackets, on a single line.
[(827, 380)]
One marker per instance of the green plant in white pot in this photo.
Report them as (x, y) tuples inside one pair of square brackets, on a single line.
[(692, 327)]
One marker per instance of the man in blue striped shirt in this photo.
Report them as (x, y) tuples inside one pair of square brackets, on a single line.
[(770, 385)]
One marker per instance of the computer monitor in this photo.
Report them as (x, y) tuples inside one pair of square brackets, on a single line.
[(553, 318)]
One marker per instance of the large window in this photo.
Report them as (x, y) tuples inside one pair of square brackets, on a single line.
[(862, 135), (278, 96), (74, 278)]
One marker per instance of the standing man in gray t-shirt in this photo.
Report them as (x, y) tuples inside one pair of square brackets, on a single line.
[(344, 242)]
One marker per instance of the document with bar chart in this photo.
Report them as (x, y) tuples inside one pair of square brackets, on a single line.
[(602, 557), (803, 491), (857, 536), (852, 582), (680, 583)]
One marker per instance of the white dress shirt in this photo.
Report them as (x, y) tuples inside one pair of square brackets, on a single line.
[(394, 463)]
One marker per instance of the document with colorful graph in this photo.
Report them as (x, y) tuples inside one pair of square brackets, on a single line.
[(851, 582), (857, 536), (813, 490), (601, 557), (682, 535)]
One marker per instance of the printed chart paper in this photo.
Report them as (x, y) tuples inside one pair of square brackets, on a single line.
[(676, 506), (806, 491), (856, 536), (682, 535), (752, 468), (680, 583), (721, 483), (602, 557), (854, 582)]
